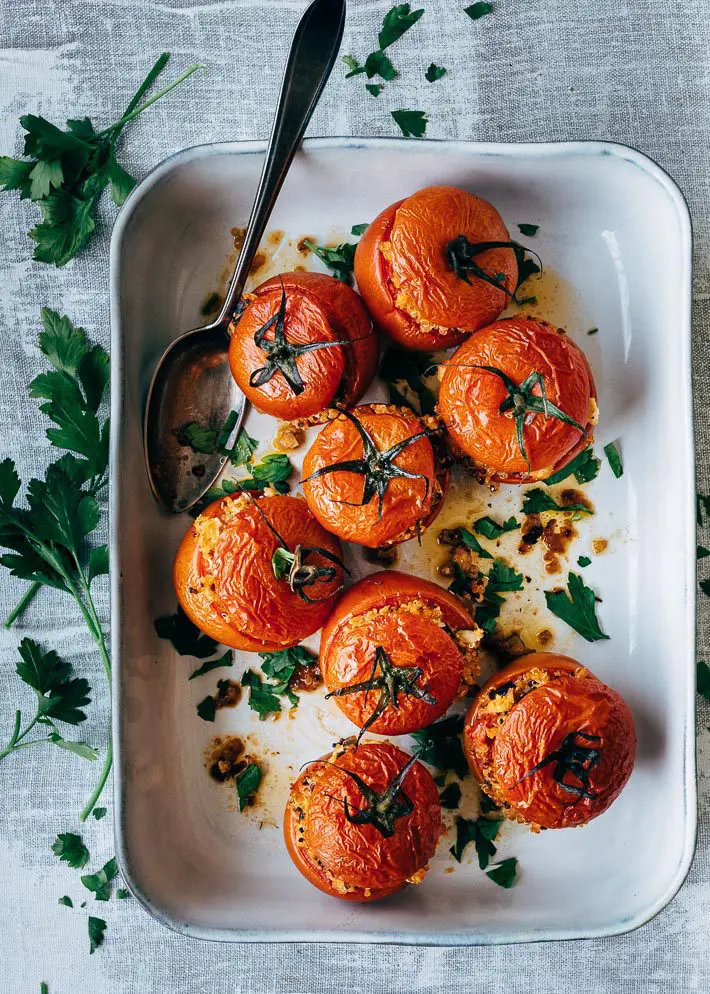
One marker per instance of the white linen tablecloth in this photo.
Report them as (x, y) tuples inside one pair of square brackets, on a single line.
[(633, 71)]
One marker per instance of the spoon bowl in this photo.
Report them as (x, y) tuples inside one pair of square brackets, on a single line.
[(192, 381)]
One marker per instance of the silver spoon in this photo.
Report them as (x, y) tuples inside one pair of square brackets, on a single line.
[(192, 381)]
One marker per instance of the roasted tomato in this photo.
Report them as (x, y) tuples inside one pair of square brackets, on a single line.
[(304, 342), (549, 742), (363, 822), (258, 573), (519, 400), (396, 651), (408, 273), (372, 475)]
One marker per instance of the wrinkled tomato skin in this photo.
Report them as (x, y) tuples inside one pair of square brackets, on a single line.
[(470, 398), (536, 727), (415, 233), (264, 614), (335, 498), (349, 644), (319, 308), (360, 855)]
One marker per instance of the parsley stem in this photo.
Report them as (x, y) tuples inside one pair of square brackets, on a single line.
[(159, 95), (22, 604), (96, 793)]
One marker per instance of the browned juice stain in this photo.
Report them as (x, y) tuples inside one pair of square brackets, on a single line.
[(228, 694), (600, 545)]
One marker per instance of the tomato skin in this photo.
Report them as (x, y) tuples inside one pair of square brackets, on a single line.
[(335, 498), (319, 308), (470, 398), (349, 643), (263, 613), (573, 701), (329, 845), (414, 233)]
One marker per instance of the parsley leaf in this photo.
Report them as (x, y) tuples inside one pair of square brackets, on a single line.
[(481, 832), (472, 543), (99, 883), (577, 608), (248, 781), (395, 22), (272, 471), (537, 501), (68, 171), (450, 797), (705, 587), (412, 123), (434, 72), (71, 849), (439, 745), (477, 10), (583, 467), (502, 579), (592, 331), (702, 552), (97, 927), (353, 65), (529, 229), (66, 901), (374, 88), (212, 664), (340, 259), (504, 873), (379, 64), (703, 680), (614, 456), (262, 696), (207, 709), (99, 813), (491, 529), (359, 229), (403, 374), (185, 637), (207, 440), (122, 893), (584, 561)]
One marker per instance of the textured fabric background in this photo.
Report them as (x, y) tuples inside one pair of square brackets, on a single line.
[(635, 71)]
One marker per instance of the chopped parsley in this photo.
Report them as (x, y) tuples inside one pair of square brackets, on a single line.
[(577, 607), (481, 832), (68, 171), (71, 849), (584, 467), (248, 781), (504, 873), (584, 561), (403, 373), (703, 679), (395, 22), (705, 587), (99, 813), (537, 501), (450, 797), (592, 331), (186, 638), (359, 229), (502, 579), (212, 664), (614, 456), (439, 745), (340, 259), (479, 9), (122, 893), (472, 543), (702, 552), (412, 123), (490, 528), (374, 89), (66, 901), (210, 440), (207, 709), (99, 883), (264, 697), (434, 73), (529, 229), (97, 928)]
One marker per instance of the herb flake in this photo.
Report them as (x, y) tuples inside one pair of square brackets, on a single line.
[(577, 607), (412, 123), (71, 849), (248, 781), (613, 455)]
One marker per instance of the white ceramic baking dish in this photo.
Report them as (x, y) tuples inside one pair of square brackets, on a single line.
[(615, 234)]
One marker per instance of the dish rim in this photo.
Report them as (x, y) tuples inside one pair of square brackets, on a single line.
[(422, 938)]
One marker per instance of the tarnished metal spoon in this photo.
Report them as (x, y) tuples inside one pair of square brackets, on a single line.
[(192, 381)]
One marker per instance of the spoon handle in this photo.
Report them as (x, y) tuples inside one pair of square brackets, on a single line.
[(313, 51)]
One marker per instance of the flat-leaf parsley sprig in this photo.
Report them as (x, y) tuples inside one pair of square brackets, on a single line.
[(67, 171), (48, 539)]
